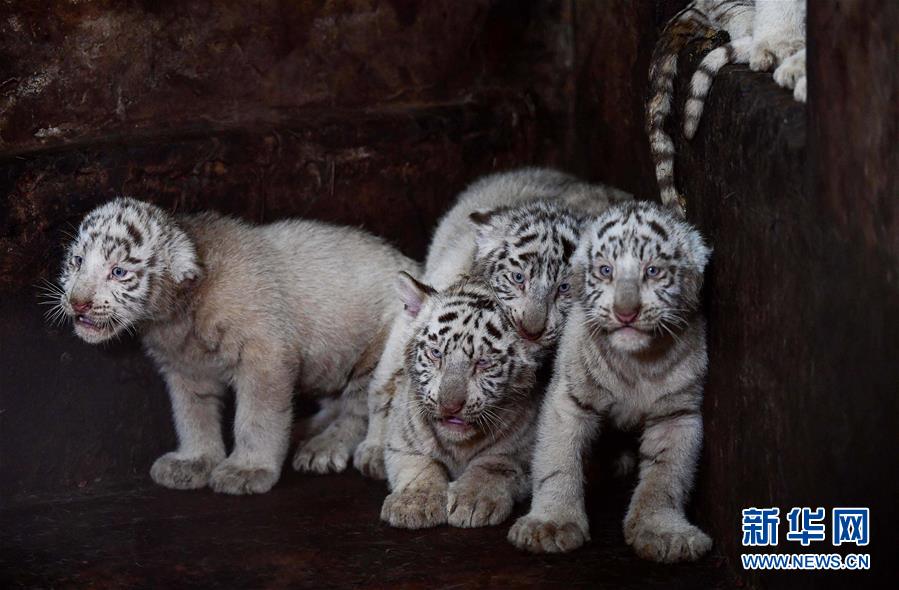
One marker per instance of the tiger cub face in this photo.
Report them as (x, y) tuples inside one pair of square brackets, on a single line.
[(642, 273), (468, 369), (125, 262), (525, 254)]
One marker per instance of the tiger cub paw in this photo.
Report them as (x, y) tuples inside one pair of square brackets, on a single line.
[(768, 53), (666, 537), (323, 453), (415, 509), (788, 74), (179, 472), (469, 507), (232, 476), (547, 536), (799, 93), (369, 460)]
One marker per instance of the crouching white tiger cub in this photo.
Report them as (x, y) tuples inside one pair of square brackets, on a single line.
[(633, 354), (219, 302), (516, 230), (461, 426)]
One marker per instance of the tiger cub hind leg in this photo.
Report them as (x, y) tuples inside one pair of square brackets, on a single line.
[(330, 447), (330, 450)]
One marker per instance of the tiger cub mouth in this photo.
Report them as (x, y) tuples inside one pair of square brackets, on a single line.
[(92, 329), (455, 424), (86, 322)]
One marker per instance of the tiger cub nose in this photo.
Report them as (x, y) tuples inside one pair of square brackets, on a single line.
[(626, 316), (81, 306), (451, 408), (528, 335)]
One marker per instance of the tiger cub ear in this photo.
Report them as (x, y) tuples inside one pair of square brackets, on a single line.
[(482, 216), (412, 293), (183, 262), (487, 218), (490, 227), (185, 267)]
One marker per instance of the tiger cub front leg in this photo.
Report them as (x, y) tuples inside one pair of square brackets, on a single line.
[(655, 525), (419, 487), (485, 493), (196, 406), (264, 388), (557, 521)]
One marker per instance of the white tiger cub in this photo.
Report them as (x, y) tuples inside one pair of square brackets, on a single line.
[(518, 231), (461, 427), (766, 34), (219, 302), (472, 229), (633, 354)]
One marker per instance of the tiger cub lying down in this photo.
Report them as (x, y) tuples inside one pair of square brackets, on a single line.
[(516, 230), (460, 429)]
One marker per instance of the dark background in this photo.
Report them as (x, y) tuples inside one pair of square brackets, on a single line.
[(377, 113)]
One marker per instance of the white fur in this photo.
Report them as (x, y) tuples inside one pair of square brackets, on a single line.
[(457, 244), (440, 472), (648, 375), (454, 244), (774, 34), (219, 302)]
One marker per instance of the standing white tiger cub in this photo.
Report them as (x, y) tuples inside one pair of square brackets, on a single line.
[(516, 230), (219, 302), (461, 426), (633, 354)]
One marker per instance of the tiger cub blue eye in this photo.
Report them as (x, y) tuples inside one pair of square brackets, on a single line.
[(119, 272), (564, 287), (518, 278), (77, 260), (652, 271), (605, 270), (434, 353)]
